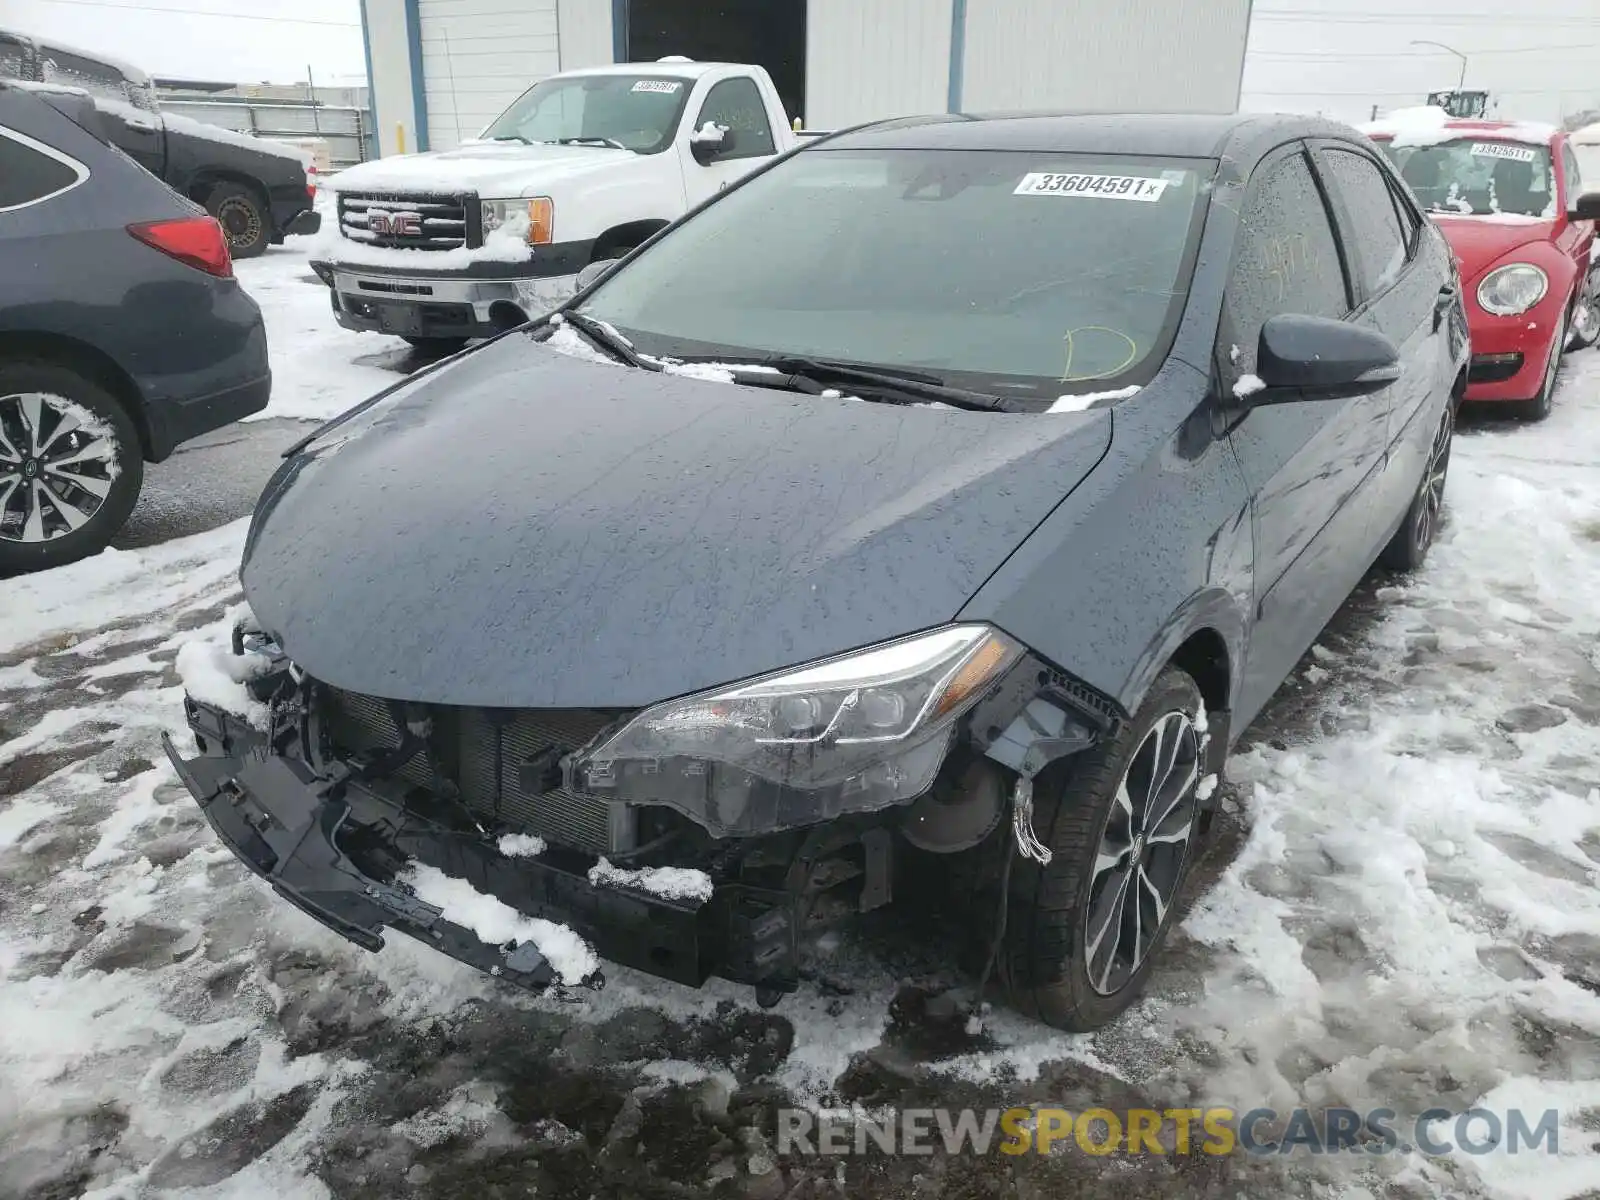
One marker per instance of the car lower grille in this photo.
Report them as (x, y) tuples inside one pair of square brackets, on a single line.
[(484, 752), (421, 222)]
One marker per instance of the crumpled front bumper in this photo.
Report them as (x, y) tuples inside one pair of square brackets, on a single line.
[(332, 848)]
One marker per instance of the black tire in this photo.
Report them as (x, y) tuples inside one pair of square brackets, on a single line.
[(244, 216), (1585, 324), (437, 346), (1408, 548), (1044, 964), (1539, 407), (50, 389)]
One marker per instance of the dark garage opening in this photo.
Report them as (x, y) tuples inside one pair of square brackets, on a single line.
[(769, 32)]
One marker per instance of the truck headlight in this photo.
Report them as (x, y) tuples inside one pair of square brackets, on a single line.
[(847, 734), (533, 220), (1513, 289)]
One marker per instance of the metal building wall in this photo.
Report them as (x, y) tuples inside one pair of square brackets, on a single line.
[(867, 59), (478, 56), (1105, 55)]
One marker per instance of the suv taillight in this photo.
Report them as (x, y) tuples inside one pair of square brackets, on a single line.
[(197, 241), (311, 182)]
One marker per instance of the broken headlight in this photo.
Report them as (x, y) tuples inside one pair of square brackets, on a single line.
[(847, 734)]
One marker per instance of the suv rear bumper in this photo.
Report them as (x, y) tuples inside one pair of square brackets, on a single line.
[(332, 847)]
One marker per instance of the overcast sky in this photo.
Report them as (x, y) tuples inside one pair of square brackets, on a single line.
[(249, 41), (1541, 58)]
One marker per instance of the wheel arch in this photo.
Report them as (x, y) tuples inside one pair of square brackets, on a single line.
[(204, 181), (85, 359), (1205, 638), (629, 234)]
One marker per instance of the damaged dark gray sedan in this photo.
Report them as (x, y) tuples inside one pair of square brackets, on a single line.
[(954, 491)]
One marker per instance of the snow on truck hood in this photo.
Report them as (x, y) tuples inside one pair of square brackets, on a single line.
[(491, 169), (524, 529)]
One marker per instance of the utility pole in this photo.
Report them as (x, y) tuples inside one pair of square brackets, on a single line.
[(1461, 82)]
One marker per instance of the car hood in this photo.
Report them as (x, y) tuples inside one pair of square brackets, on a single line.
[(525, 529), (493, 169), (1480, 242)]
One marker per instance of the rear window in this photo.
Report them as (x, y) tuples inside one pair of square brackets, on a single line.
[(1478, 176), (30, 171), (1022, 274)]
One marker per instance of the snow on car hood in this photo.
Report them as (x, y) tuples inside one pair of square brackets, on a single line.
[(525, 529), (492, 169)]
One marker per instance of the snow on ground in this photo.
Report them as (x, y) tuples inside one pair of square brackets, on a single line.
[(1413, 918)]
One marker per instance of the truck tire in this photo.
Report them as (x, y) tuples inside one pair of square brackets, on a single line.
[(49, 415), (1112, 818), (245, 219)]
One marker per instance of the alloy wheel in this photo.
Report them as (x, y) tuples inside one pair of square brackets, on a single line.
[(57, 464), (1432, 497), (1586, 321), (1142, 851)]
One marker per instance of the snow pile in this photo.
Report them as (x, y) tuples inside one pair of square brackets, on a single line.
[(1091, 400), (178, 123), (670, 883), (213, 674), (1427, 125), (1249, 385), (522, 845), (498, 924)]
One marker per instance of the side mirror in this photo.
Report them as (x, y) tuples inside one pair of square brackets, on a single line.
[(593, 274), (1319, 358), (1586, 207), (710, 142)]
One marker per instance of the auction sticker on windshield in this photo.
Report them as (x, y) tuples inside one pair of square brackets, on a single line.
[(1105, 187), (1503, 150), (658, 85)]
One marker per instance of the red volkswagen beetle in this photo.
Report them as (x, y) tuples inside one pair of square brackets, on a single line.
[(1510, 198)]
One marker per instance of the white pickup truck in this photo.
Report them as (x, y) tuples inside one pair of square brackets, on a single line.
[(583, 167)]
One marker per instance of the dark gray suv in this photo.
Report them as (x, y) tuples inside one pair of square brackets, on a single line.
[(122, 330)]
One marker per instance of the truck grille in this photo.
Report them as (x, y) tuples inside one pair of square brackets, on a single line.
[(482, 751), (431, 222)]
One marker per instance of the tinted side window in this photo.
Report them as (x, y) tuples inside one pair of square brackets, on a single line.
[(28, 174), (13, 58), (1288, 261), (1380, 244), (73, 70), (736, 103)]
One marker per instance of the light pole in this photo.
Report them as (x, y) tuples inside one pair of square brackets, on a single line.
[(1449, 50)]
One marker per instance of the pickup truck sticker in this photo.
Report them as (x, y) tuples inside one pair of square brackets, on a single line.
[(658, 85), (1105, 187), (1504, 150)]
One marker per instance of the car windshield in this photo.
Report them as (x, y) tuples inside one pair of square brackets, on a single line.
[(1017, 274), (1479, 176), (630, 112)]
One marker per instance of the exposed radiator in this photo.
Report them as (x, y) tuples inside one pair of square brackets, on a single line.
[(489, 750)]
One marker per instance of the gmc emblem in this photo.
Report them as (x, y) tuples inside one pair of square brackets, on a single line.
[(397, 224)]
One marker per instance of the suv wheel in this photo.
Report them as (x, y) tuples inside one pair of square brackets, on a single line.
[(1122, 821), (244, 219), (70, 466)]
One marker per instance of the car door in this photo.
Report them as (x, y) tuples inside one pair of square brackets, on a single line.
[(1305, 462), (736, 106), (1405, 290), (1577, 239)]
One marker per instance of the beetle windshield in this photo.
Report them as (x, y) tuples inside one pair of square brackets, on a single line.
[(1024, 275), (1478, 176), (628, 112)]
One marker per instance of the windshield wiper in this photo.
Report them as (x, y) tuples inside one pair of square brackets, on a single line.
[(590, 141), (609, 340), (510, 137), (893, 386)]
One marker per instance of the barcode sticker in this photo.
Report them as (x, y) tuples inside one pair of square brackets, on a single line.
[(1504, 150), (1104, 187), (658, 85)]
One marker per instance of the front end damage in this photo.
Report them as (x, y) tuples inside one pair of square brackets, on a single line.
[(339, 801)]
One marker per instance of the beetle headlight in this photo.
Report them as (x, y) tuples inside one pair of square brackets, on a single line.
[(531, 220), (1511, 290), (847, 734)]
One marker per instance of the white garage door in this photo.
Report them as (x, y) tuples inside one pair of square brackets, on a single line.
[(480, 55)]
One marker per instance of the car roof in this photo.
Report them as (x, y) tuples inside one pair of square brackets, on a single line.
[(1244, 137), (671, 68)]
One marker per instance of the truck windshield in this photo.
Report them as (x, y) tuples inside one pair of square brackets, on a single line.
[(628, 112), (1478, 176), (1022, 275)]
